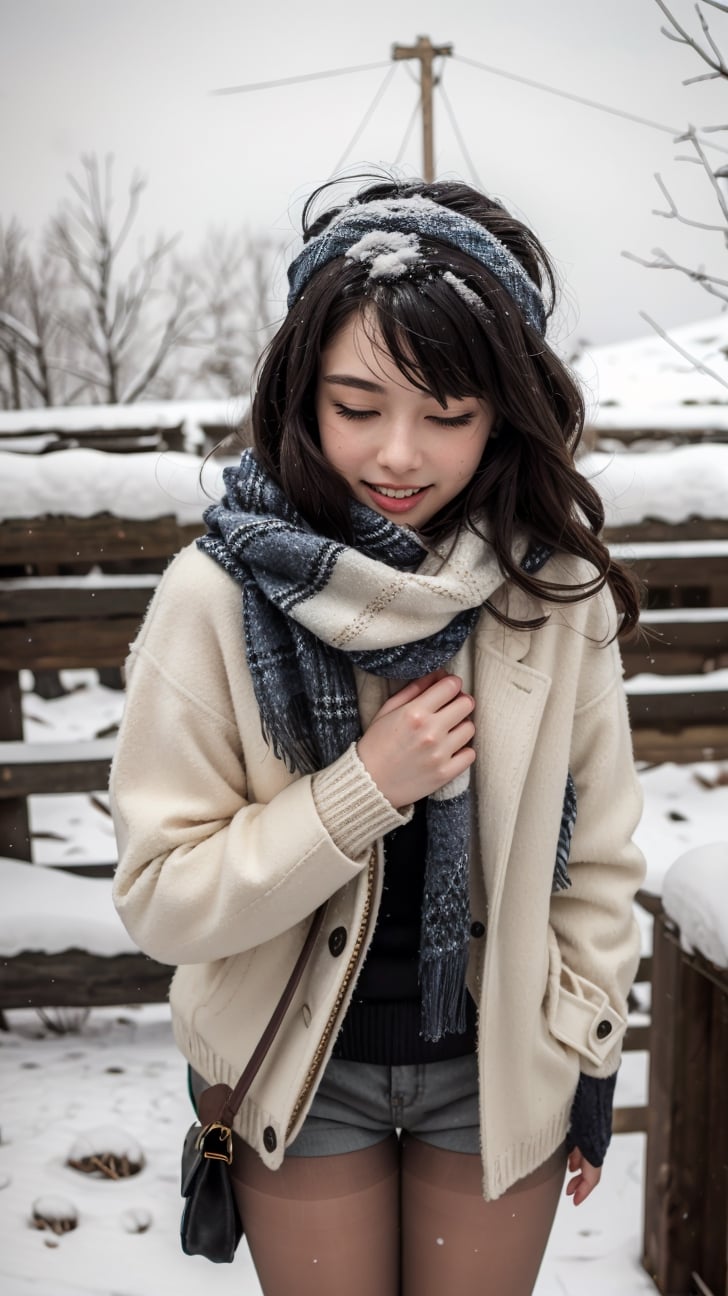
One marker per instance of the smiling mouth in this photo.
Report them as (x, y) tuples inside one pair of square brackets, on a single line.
[(396, 492)]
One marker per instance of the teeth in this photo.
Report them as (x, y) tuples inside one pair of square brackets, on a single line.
[(398, 494)]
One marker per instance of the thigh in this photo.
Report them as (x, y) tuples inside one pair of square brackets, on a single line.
[(453, 1240), (324, 1224)]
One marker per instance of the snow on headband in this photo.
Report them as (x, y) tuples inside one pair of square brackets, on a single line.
[(348, 231)]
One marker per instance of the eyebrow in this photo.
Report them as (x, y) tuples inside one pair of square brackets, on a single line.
[(348, 380)]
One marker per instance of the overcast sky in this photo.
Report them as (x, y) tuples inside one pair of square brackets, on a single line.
[(133, 77)]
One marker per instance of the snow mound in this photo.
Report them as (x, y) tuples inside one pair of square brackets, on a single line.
[(695, 896), (670, 485), (648, 382), (106, 1138), (83, 483), (45, 909), (108, 1152), (136, 1220), (55, 1213)]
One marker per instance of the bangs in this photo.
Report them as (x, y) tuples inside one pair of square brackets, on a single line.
[(433, 338)]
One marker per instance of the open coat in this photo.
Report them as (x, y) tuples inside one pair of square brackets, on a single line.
[(224, 855)]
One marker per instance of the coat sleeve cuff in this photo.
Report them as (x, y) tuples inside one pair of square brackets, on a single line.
[(351, 807)]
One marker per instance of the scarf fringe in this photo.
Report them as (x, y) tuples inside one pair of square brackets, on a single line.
[(290, 740), (444, 995)]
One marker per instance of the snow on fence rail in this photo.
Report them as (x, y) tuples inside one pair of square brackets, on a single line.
[(194, 426)]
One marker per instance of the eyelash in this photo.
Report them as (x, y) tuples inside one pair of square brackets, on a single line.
[(356, 416)]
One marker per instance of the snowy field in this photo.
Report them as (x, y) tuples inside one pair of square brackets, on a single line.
[(122, 1072)]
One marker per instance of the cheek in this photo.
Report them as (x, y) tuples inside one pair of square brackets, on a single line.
[(335, 445), (471, 453)]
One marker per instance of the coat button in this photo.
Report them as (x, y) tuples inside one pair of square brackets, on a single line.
[(270, 1142), (603, 1029), (337, 941), (477, 929)]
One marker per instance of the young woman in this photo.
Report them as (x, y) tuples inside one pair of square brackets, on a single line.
[(388, 679)]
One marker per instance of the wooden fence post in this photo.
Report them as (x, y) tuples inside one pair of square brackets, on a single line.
[(686, 1172), (14, 825)]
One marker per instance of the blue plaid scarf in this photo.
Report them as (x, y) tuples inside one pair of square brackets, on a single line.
[(301, 663)]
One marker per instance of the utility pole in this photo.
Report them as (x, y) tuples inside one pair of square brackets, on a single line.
[(425, 51)]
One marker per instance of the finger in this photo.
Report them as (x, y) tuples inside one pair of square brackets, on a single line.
[(410, 691), (461, 737), (458, 711), (443, 692)]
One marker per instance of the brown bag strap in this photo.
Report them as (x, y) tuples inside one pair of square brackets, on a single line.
[(235, 1097)]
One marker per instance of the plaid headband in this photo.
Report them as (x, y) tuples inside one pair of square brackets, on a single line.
[(420, 216)]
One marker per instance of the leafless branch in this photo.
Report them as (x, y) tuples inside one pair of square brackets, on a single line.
[(675, 214), (693, 360), (679, 34)]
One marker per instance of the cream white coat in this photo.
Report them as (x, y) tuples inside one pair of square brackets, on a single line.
[(224, 855)]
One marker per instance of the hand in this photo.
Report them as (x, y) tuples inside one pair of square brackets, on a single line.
[(420, 739), (585, 1180)]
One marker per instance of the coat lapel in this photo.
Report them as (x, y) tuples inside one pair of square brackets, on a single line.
[(510, 699)]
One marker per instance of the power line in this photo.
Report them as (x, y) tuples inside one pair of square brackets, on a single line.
[(566, 94), (365, 119), (294, 80), (459, 135), (407, 132)]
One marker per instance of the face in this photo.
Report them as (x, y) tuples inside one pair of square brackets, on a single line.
[(398, 449)]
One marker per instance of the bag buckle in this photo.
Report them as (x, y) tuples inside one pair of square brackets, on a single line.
[(225, 1139)]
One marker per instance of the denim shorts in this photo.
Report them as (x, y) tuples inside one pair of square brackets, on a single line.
[(358, 1104)]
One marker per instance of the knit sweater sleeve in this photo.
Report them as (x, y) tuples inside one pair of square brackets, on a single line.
[(590, 1127), (220, 847)]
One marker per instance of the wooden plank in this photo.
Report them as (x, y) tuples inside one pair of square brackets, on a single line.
[(699, 707), (76, 979), (83, 870), (714, 1263), (48, 645), (666, 660), (665, 960), (652, 529), (14, 824), (84, 541), (629, 1120), (28, 769), (61, 598), (637, 1039), (684, 744), (678, 1135)]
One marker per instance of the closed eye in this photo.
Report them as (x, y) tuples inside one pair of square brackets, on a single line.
[(354, 414), (455, 421)]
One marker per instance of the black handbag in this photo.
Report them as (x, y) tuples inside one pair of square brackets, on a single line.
[(211, 1225)]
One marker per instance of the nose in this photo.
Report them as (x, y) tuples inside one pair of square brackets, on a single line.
[(400, 451)]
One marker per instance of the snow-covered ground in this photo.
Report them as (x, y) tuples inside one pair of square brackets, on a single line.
[(122, 1071)]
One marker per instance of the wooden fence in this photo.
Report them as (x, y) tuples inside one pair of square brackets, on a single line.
[(686, 1176), (54, 614)]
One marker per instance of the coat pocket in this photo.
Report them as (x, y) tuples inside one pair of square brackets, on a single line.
[(578, 1012)]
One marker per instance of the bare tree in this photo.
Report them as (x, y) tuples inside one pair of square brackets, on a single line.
[(123, 327), (233, 275), (28, 323), (705, 46)]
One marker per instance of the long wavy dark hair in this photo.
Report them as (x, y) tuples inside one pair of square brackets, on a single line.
[(451, 349)]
